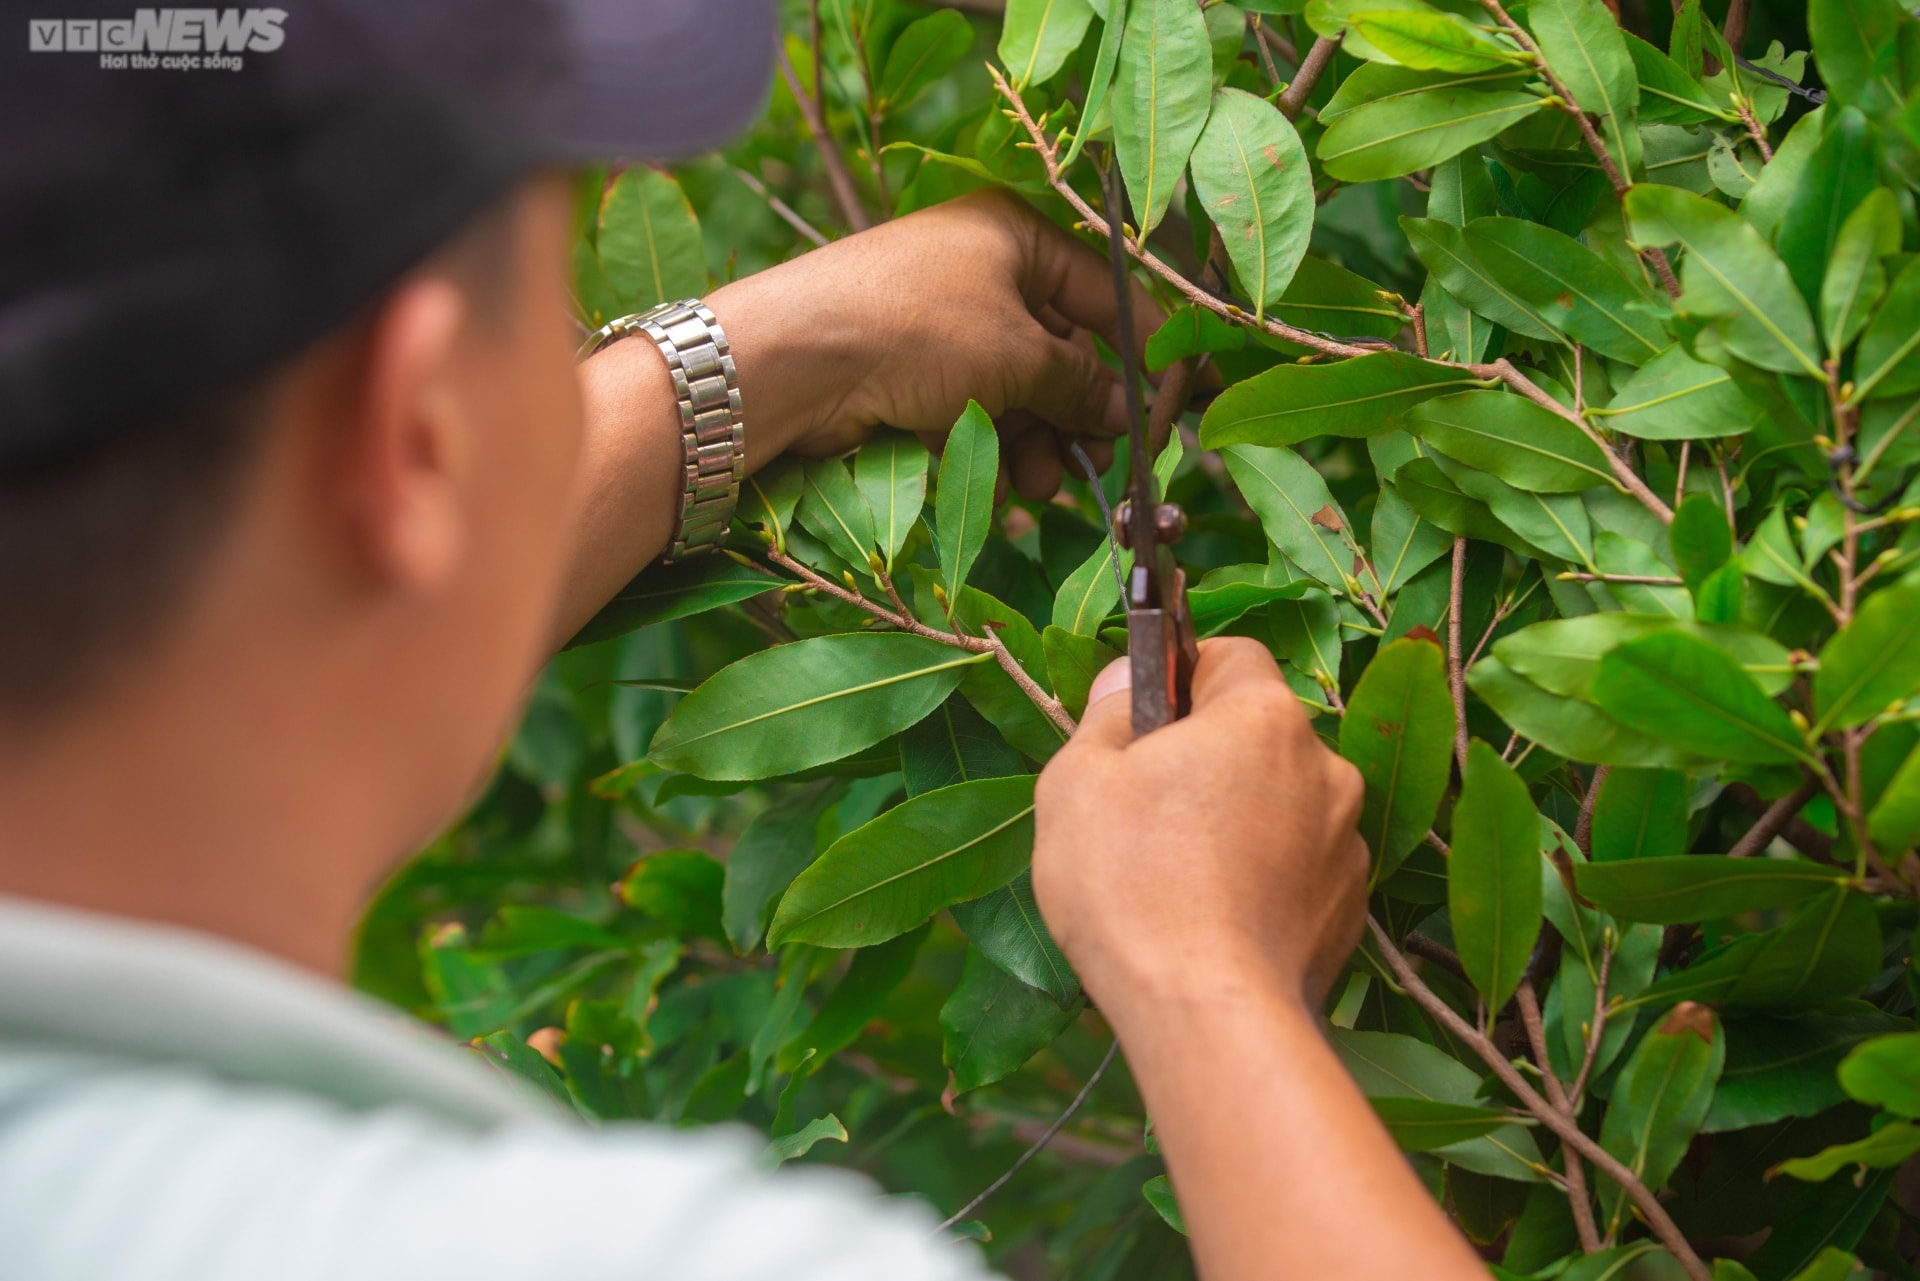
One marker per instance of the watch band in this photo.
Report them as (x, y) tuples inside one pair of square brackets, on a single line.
[(711, 429)]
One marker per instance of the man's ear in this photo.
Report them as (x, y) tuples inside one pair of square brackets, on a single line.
[(405, 455)]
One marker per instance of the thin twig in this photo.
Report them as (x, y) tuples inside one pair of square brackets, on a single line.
[(904, 620), (1595, 1031), (1045, 1138), (1572, 1135), (1583, 826), (1260, 39), (780, 207), (1790, 827), (1680, 478), (1736, 27), (836, 164), (1276, 44), (1456, 666), (1432, 950), (1647, 580), (1754, 131), (1577, 1198), (1318, 58)]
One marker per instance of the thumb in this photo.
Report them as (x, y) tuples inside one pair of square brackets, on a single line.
[(1108, 721)]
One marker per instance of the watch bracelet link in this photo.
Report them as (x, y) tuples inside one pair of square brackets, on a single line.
[(712, 433)]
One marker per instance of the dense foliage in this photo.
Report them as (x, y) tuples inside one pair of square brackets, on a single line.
[(1571, 369)]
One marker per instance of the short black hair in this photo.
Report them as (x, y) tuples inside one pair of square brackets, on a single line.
[(98, 546)]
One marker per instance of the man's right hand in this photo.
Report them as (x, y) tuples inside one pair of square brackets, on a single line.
[(1219, 849)]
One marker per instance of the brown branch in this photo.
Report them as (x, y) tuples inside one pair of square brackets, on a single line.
[(1319, 57), (781, 208), (836, 165), (1772, 819), (1276, 43), (1583, 826), (1595, 1031), (1431, 950), (1577, 1198), (1736, 28), (904, 620), (1754, 131), (1501, 370), (1456, 666), (1572, 1135), (1262, 43), (1796, 831)]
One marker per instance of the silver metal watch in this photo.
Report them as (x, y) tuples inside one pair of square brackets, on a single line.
[(711, 428)]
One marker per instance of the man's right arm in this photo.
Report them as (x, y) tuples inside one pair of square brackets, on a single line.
[(1207, 882)]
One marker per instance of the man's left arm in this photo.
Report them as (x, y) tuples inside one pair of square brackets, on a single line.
[(977, 299)]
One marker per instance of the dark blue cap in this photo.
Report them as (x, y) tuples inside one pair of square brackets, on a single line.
[(188, 195)]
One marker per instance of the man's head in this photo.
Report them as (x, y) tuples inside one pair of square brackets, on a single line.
[(289, 425)]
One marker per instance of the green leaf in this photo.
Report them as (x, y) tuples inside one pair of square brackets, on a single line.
[(1675, 397), (937, 849), (1582, 41), (1885, 363), (1038, 36), (769, 496), (1215, 605), (1886, 1071), (1106, 61), (1399, 135), (1398, 731), (1855, 280), (926, 50), (1433, 41), (1251, 174), (775, 847), (1446, 253), (1730, 272), (1421, 1125), (1161, 94), (793, 1146), (1159, 1194), (1767, 203), (1392, 1065), (1461, 190), (1403, 543), (1894, 823), (650, 247), (1493, 884), (1007, 928), (1841, 173), (1698, 887), (1890, 1145), (1702, 539), (1325, 297), (993, 1023), (1829, 950), (891, 471), (513, 1056), (679, 590), (1365, 396), (1566, 727), (855, 1002), (681, 889), (1569, 286), (1434, 494), (1073, 661), (963, 507), (1295, 508), (1523, 444), (1090, 592), (1640, 814), (1854, 42), (1784, 1067), (795, 706), (1696, 697), (1661, 1099), (954, 744), (1380, 81), (832, 508), (1873, 663), (1668, 95)]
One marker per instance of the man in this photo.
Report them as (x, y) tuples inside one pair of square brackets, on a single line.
[(299, 484)]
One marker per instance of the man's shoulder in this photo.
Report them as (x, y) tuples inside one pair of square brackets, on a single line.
[(110, 989)]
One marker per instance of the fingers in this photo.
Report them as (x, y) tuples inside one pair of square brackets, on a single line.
[(1035, 464), (1078, 283), (1068, 386), (1231, 667), (1108, 722)]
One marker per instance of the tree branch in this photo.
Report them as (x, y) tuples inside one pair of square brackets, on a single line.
[(1772, 819), (1501, 370), (838, 178), (1572, 1135), (1583, 826), (1787, 824), (781, 208), (1456, 662), (1582, 1205), (1318, 58), (1045, 1138)]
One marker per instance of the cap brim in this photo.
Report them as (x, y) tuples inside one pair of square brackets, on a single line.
[(660, 79)]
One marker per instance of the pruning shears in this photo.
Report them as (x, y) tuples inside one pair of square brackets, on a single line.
[(1161, 648)]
